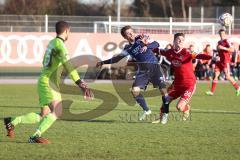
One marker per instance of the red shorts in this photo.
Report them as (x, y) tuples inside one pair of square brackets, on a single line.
[(185, 92), (219, 67)]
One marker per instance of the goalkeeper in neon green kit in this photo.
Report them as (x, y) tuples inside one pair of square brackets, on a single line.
[(56, 55)]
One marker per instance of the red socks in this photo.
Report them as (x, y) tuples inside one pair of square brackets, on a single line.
[(214, 83)]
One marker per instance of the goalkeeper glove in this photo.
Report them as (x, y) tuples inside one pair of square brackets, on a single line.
[(88, 94)]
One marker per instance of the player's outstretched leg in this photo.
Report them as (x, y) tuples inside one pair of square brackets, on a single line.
[(163, 115), (165, 109), (141, 101), (214, 84), (29, 118), (9, 126), (234, 84), (185, 108), (232, 81), (164, 118), (46, 123), (186, 112), (158, 120)]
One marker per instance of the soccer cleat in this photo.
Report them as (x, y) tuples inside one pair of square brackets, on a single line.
[(9, 127), (144, 114), (209, 93), (186, 114), (164, 118), (238, 92), (156, 121), (37, 139)]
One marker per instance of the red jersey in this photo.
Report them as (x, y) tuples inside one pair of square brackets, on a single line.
[(181, 62), (225, 56)]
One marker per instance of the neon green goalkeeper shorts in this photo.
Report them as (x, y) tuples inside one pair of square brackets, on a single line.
[(47, 94)]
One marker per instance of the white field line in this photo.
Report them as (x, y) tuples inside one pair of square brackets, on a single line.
[(154, 106)]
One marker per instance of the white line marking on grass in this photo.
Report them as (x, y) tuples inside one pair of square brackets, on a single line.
[(154, 106)]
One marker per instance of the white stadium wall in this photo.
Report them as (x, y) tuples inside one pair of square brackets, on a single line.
[(27, 49)]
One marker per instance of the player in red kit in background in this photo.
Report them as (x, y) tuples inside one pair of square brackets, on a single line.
[(184, 83), (224, 50)]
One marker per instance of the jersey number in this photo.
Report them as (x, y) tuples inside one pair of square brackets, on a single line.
[(48, 56)]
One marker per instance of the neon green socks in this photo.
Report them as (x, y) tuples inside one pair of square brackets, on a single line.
[(45, 123), (29, 118)]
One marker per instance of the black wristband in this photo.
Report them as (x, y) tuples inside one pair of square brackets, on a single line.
[(78, 82), (109, 61)]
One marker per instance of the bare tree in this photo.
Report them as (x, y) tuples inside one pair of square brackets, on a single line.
[(141, 8), (183, 9), (171, 8), (164, 8)]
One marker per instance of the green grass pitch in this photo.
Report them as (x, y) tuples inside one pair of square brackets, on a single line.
[(213, 132)]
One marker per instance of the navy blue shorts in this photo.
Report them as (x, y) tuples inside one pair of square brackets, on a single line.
[(150, 73)]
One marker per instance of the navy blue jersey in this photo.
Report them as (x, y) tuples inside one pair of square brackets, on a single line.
[(134, 50)]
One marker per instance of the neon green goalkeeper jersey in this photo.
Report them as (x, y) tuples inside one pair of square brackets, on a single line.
[(55, 59)]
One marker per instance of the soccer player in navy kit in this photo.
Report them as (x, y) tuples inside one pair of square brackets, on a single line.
[(149, 69)]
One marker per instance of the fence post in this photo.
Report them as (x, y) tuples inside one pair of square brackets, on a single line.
[(95, 27), (109, 24), (118, 10), (213, 29), (202, 16), (189, 16), (230, 29), (170, 25), (233, 15), (46, 23)]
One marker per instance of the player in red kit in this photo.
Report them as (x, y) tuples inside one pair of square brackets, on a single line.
[(184, 83), (224, 50)]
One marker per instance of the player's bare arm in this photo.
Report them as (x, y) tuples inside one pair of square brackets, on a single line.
[(112, 60)]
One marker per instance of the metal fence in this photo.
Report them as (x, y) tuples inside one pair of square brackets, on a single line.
[(103, 24)]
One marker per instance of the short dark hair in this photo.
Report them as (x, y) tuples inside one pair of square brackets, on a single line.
[(61, 26), (178, 34), (191, 45), (221, 30), (123, 30)]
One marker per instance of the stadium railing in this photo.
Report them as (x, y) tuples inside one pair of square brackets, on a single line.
[(106, 24)]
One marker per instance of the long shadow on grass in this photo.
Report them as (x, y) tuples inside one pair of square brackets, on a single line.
[(108, 121), (97, 121), (78, 109), (11, 141)]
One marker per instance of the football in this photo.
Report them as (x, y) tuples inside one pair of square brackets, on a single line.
[(225, 19)]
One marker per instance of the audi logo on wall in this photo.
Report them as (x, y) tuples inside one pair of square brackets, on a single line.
[(24, 49), (15, 49)]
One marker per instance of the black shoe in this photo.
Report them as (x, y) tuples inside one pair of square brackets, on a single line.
[(37, 139)]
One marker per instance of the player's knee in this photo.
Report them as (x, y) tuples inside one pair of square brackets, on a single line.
[(56, 108), (135, 91), (228, 77), (44, 111), (181, 106)]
